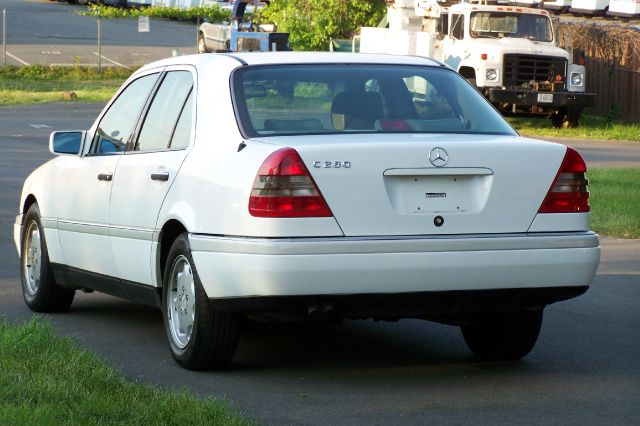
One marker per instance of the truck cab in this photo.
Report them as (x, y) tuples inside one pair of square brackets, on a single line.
[(509, 53)]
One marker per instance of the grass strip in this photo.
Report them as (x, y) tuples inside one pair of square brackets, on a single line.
[(47, 380), (19, 97), (38, 84), (615, 202), (591, 127)]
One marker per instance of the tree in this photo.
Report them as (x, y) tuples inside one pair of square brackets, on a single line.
[(313, 23)]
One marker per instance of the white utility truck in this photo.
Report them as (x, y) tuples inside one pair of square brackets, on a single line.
[(509, 53), (589, 7), (625, 9), (557, 6)]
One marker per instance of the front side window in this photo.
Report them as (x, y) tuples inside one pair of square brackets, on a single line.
[(348, 98), (119, 122), (521, 25), (166, 107)]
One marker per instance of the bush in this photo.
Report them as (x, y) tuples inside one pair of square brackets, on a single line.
[(209, 13), (312, 24)]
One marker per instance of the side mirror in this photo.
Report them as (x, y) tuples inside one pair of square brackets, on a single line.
[(66, 142)]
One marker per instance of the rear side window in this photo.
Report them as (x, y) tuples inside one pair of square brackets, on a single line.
[(346, 98), (182, 133), (164, 112), (119, 122)]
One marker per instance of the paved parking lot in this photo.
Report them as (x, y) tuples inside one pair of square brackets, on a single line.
[(87, 55), (53, 33), (584, 369)]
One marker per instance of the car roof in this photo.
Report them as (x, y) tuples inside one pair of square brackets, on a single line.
[(273, 58), (259, 58)]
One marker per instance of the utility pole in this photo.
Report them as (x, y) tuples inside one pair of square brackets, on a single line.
[(99, 44), (4, 37), (197, 32)]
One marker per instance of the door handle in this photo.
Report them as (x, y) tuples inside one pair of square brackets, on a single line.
[(163, 177), (107, 177)]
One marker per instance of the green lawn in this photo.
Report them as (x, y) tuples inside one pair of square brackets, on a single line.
[(615, 202), (591, 127), (49, 380)]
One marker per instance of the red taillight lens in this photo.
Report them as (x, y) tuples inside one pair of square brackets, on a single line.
[(284, 188), (569, 192)]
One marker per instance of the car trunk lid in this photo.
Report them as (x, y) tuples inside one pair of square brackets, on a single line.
[(428, 184)]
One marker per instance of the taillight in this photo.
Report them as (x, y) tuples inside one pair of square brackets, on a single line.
[(569, 192), (284, 188)]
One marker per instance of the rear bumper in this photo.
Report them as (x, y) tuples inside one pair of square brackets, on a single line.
[(446, 306), (245, 268), (586, 11), (623, 14), (555, 7), (529, 98)]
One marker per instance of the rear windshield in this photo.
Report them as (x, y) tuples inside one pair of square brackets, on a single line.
[(355, 98)]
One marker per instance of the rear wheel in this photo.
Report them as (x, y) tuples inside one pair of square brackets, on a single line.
[(40, 292), (557, 119), (199, 337), (504, 335), (573, 116)]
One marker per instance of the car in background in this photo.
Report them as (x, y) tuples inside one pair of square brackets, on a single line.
[(558, 6), (295, 186), (625, 9), (589, 7)]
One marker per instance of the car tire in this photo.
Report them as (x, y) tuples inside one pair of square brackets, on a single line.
[(200, 338), (39, 289), (202, 45), (500, 336)]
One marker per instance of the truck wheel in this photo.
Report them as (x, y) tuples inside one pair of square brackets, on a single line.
[(200, 337), (202, 45), (558, 118), (504, 335), (39, 289), (573, 117)]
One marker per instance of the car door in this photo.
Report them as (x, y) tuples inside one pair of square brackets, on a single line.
[(85, 189), (146, 172)]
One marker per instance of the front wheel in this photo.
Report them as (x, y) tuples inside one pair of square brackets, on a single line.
[(39, 289), (200, 337), (504, 335)]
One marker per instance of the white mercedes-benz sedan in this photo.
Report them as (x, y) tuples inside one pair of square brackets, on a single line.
[(308, 187)]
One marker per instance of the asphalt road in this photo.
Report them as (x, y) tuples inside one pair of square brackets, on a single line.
[(584, 370), (46, 32)]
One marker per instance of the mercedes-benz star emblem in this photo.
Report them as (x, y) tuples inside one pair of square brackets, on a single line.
[(439, 157)]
